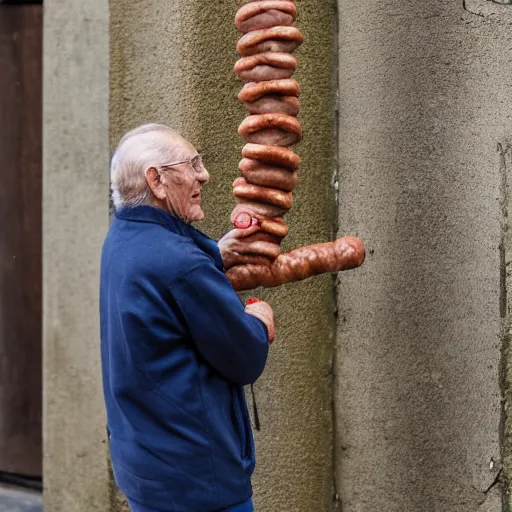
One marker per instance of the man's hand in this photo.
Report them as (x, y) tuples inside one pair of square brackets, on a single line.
[(239, 246), (263, 311)]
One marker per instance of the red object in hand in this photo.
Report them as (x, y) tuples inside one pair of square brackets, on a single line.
[(243, 221), (252, 300)]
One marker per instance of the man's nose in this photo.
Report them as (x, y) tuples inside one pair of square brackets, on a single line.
[(204, 177)]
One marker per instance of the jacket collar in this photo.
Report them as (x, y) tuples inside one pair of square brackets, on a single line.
[(153, 215)]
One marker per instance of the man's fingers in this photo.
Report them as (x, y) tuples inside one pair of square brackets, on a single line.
[(242, 233), (267, 249)]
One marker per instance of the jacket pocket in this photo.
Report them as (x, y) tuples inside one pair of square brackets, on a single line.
[(243, 423)]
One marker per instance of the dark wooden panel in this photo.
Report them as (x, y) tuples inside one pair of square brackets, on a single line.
[(20, 238)]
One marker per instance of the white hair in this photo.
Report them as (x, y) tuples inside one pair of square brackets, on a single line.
[(141, 148)]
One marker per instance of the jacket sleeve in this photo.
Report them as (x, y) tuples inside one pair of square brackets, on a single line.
[(235, 343)]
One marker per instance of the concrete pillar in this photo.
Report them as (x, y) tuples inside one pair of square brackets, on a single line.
[(425, 90), (75, 220), (172, 62)]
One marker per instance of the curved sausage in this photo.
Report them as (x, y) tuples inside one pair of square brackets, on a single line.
[(233, 259), (275, 226), (267, 175), (265, 14), (273, 137), (243, 189), (271, 129), (255, 209), (263, 73), (275, 39), (256, 90), (344, 254), (274, 59), (268, 167), (288, 105), (258, 252), (249, 1), (266, 66), (273, 155)]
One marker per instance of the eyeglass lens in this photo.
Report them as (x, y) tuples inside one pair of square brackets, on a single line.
[(197, 163)]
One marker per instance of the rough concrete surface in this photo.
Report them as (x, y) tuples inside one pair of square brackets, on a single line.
[(172, 62), (425, 90), (75, 219), (505, 151)]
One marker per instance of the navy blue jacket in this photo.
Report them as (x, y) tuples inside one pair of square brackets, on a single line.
[(177, 349)]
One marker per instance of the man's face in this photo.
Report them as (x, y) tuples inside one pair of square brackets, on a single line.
[(183, 182)]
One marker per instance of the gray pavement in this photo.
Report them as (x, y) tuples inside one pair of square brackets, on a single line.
[(13, 499)]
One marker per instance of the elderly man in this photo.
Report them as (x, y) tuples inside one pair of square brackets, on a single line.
[(178, 345)]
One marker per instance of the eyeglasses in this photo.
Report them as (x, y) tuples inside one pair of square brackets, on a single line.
[(196, 162)]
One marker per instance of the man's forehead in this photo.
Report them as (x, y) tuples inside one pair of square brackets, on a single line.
[(181, 147)]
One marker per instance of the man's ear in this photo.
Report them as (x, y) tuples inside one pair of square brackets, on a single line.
[(155, 183)]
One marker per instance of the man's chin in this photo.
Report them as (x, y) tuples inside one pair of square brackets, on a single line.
[(197, 214)]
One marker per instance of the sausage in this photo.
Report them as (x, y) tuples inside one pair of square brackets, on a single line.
[(271, 129), (268, 176), (275, 39), (255, 209), (234, 259), (264, 73), (343, 254), (268, 168), (273, 155), (266, 66), (275, 226), (273, 137), (263, 236), (265, 14), (245, 190), (273, 59), (259, 253), (249, 1), (288, 105), (256, 90)]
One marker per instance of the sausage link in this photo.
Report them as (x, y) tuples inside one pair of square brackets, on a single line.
[(271, 129), (268, 176), (265, 14), (275, 39), (344, 254), (244, 190), (266, 66), (257, 90), (288, 105), (274, 226), (273, 155), (274, 59), (255, 209), (268, 167)]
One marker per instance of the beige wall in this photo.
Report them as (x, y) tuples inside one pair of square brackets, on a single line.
[(75, 220), (425, 100), (172, 62), (424, 156)]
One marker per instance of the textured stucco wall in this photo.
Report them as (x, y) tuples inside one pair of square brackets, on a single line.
[(171, 62), (425, 99), (75, 220), (505, 151)]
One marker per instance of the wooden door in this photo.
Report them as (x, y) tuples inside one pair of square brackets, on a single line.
[(20, 238)]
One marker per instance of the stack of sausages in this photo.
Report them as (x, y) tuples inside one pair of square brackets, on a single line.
[(269, 168)]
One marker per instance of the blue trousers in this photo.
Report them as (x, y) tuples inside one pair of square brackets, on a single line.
[(244, 507)]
